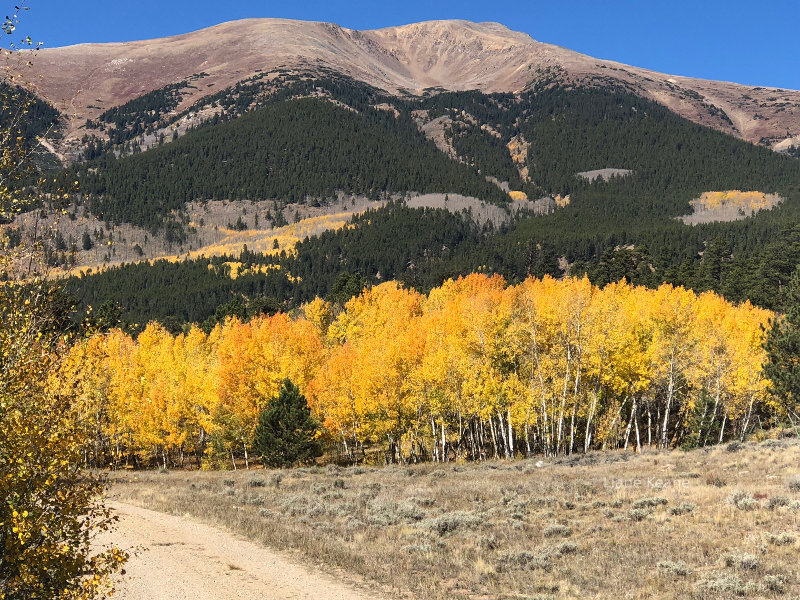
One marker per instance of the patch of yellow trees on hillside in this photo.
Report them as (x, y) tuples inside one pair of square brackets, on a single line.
[(748, 201), (475, 369)]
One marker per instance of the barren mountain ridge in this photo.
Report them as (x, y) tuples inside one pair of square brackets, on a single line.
[(85, 80)]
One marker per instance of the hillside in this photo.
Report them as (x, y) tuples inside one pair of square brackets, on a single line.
[(582, 165), (290, 151), (87, 80), (663, 164)]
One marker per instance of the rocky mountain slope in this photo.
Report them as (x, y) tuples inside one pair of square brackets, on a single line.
[(84, 81)]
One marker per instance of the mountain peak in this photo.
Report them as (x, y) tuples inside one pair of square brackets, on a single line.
[(86, 80)]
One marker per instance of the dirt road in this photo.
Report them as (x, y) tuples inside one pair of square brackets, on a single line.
[(181, 558)]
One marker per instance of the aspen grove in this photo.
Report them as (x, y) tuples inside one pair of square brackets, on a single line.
[(476, 369)]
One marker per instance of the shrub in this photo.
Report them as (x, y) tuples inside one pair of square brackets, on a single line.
[(682, 509), (734, 446), (775, 583), (649, 502), (674, 568), (724, 583), (452, 521), (742, 500), (777, 501), (526, 560), (488, 542), (557, 530), (781, 539), (566, 548), (418, 549), (715, 480), (425, 502), (391, 513), (638, 514), (742, 560)]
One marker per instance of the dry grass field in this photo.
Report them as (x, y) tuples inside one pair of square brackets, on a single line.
[(712, 523)]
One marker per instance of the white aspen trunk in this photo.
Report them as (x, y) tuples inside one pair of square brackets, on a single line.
[(542, 395), (502, 429), (638, 441), (587, 440), (630, 425), (527, 440), (481, 437), (575, 402), (435, 449), (494, 437), (670, 392), (473, 448), (246, 461), (460, 433), (560, 429), (510, 435), (346, 451), (613, 424), (572, 430), (722, 429), (444, 443), (649, 427), (713, 414), (749, 414), (233, 460)]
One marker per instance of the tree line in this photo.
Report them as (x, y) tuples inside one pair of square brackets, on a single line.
[(475, 369)]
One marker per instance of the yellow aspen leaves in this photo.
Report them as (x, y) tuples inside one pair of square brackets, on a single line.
[(476, 368)]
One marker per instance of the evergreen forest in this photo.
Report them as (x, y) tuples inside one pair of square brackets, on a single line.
[(309, 139)]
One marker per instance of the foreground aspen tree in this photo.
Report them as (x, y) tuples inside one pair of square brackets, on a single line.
[(50, 505)]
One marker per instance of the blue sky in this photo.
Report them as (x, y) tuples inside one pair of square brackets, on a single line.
[(746, 41)]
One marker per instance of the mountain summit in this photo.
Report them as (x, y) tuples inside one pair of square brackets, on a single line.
[(85, 80)]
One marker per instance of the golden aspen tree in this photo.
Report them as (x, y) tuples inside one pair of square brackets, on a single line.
[(673, 316), (154, 431), (439, 378), (253, 359), (745, 379), (333, 397), (379, 325), (198, 365), (539, 312), (51, 507), (123, 387), (714, 361)]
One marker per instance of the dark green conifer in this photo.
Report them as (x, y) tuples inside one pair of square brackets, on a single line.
[(286, 434), (783, 348)]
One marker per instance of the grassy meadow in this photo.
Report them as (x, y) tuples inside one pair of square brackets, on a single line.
[(721, 522)]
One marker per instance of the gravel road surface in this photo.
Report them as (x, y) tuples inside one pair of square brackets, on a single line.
[(180, 558)]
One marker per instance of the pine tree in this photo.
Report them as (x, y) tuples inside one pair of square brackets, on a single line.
[(86, 241), (783, 348), (286, 433)]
